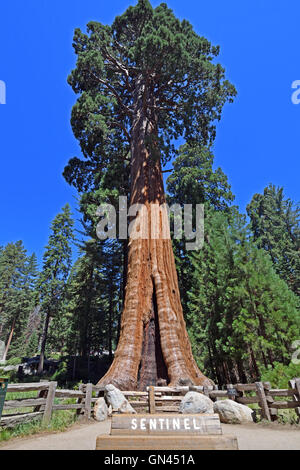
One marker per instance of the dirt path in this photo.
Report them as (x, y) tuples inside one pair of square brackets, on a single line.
[(79, 437), (83, 437), (264, 437)]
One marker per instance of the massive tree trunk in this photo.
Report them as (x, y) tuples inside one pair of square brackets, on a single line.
[(153, 343)]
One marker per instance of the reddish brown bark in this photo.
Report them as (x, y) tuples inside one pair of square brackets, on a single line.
[(153, 342), (152, 366)]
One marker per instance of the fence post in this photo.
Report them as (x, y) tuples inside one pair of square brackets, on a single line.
[(270, 401), (295, 383), (88, 401), (151, 399), (79, 401), (230, 392), (265, 412), (41, 394), (49, 402)]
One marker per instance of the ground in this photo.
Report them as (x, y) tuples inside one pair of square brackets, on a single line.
[(83, 437)]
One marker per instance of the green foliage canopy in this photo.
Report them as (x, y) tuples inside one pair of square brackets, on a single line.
[(184, 88)]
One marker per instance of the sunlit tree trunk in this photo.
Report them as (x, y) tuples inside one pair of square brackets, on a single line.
[(9, 341), (43, 345)]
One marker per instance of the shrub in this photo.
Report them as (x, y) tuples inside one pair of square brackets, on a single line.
[(280, 375), (60, 375), (14, 361)]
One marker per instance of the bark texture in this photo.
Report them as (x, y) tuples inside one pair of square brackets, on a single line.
[(153, 342)]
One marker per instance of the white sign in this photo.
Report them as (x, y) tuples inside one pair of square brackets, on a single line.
[(166, 424)]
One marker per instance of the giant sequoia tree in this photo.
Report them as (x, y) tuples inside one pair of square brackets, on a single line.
[(144, 82)]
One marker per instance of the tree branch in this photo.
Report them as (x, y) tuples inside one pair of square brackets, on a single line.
[(113, 91), (121, 126), (120, 66)]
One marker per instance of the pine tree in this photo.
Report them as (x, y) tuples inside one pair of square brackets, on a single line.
[(94, 300), (242, 315), (31, 337), (17, 285), (275, 222), (195, 181), (55, 271)]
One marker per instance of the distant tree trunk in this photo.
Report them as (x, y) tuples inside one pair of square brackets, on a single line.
[(9, 341), (233, 371), (226, 373), (264, 334), (253, 365), (264, 359), (89, 366), (74, 368), (271, 357), (153, 343), (33, 323), (241, 371), (213, 366), (85, 332), (43, 345)]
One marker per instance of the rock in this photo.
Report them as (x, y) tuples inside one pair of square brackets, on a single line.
[(10, 368), (100, 410), (195, 402), (116, 399), (232, 412)]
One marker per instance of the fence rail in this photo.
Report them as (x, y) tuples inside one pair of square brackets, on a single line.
[(154, 400), (167, 399), (47, 400)]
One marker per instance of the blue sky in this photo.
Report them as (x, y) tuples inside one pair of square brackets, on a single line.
[(257, 138)]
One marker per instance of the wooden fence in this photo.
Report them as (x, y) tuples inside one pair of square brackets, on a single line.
[(154, 400), (259, 393), (41, 406), (167, 399)]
